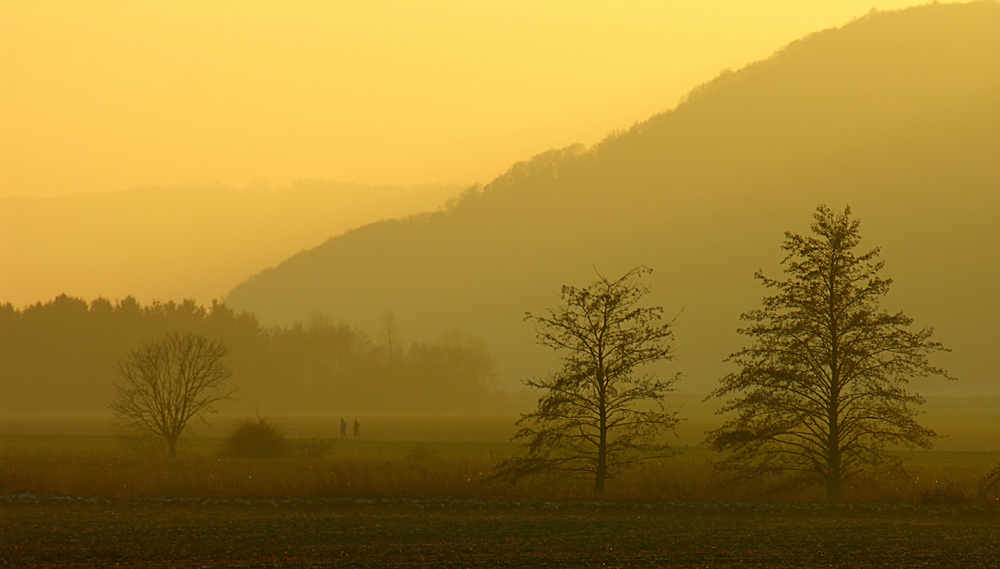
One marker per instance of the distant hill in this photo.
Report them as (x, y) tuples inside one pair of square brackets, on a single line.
[(171, 243), (897, 114)]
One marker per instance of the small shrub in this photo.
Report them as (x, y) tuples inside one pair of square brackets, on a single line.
[(989, 484), (311, 447), (256, 438), (945, 493)]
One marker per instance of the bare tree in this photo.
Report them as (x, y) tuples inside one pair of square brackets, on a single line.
[(389, 334), (822, 392), (165, 384), (595, 416)]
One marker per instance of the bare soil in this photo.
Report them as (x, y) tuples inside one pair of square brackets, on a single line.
[(70, 532)]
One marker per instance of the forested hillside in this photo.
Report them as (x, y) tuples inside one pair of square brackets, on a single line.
[(895, 114)]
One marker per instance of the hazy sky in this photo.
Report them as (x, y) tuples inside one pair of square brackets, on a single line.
[(106, 95)]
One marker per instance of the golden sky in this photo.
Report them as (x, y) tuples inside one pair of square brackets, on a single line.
[(106, 95)]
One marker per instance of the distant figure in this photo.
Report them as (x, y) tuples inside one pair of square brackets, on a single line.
[(357, 429), (343, 429)]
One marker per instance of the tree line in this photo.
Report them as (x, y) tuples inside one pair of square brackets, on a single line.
[(62, 356), (819, 395)]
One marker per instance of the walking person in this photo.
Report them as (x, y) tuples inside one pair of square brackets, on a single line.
[(357, 429), (343, 429)]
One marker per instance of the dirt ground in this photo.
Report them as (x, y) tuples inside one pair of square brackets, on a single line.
[(60, 532)]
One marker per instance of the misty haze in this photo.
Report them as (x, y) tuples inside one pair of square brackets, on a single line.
[(408, 285)]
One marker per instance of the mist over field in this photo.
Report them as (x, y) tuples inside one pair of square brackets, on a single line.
[(180, 242), (893, 112), (569, 283)]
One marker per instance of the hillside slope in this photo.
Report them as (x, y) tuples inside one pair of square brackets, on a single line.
[(894, 113)]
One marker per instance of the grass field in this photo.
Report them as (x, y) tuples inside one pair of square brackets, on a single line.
[(90, 500), (105, 466)]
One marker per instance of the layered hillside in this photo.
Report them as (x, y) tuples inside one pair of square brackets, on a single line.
[(896, 114)]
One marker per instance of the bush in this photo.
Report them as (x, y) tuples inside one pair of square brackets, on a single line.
[(948, 493), (311, 447), (256, 438)]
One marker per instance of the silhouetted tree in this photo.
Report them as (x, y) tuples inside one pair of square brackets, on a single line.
[(389, 335), (165, 384), (822, 392), (595, 415)]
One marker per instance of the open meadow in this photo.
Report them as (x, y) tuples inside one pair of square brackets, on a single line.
[(412, 457), (92, 500)]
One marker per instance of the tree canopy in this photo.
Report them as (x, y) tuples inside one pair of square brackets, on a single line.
[(596, 415), (167, 383), (822, 391)]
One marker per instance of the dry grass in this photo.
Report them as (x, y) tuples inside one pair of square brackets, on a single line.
[(203, 477), (104, 467)]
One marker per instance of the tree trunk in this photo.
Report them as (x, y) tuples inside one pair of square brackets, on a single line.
[(602, 453), (833, 488), (602, 475), (602, 444), (833, 452), (172, 447), (602, 465), (833, 441)]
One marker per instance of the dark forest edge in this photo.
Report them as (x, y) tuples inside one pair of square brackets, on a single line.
[(59, 357)]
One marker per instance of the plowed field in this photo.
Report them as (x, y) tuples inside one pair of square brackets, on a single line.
[(60, 532)]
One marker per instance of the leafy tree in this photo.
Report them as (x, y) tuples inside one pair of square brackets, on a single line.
[(595, 415), (165, 384), (822, 391)]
